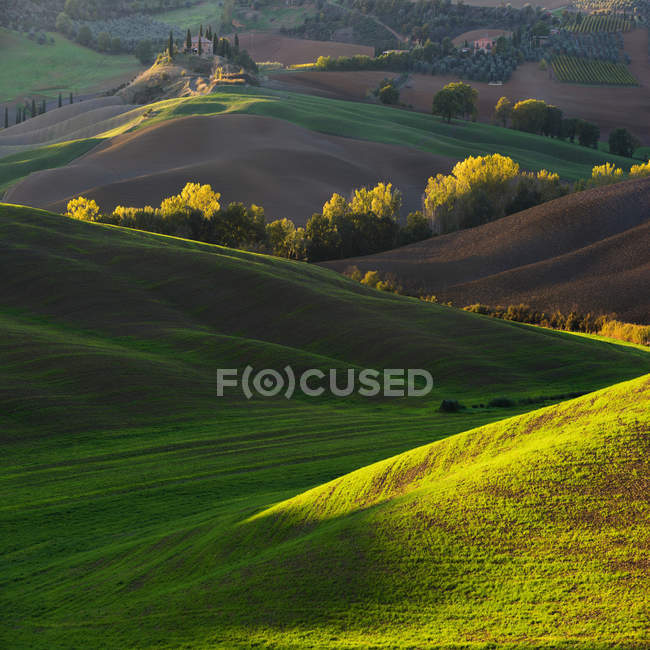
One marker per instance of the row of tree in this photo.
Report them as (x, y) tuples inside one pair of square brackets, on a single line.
[(479, 189), (367, 223), (459, 99), (31, 109)]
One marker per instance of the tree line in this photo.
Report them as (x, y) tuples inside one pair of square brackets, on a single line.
[(573, 321), (369, 222), (478, 189), (458, 99)]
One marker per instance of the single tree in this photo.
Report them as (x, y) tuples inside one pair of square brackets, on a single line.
[(529, 115), (170, 46), (447, 104), (503, 111), (188, 41), (569, 128), (588, 134), (201, 31), (215, 44), (144, 52), (104, 41), (389, 94), (60, 100), (6, 117), (552, 126), (455, 99), (236, 48), (622, 142), (71, 99), (200, 46), (85, 36), (17, 114), (33, 108)]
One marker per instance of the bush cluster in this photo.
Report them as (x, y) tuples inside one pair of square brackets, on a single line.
[(602, 325)]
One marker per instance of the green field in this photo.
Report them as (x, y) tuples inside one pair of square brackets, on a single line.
[(573, 69), (130, 489), (45, 70)]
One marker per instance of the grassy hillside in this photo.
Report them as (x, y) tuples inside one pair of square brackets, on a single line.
[(45, 70), (381, 124), (126, 479), (18, 165), (529, 529), (388, 125)]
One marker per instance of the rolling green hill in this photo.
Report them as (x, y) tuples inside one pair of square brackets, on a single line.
[(129, 486), (366, 122)]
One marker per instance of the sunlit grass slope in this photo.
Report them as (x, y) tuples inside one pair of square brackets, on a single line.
[(389, 125), (129, 486), (19, 165), (533, 530)]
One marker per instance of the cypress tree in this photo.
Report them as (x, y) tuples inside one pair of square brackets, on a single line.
[(215, 44), (188, 41), (170, 47), (200, 45), (6, 117), (43, 107), (236, 44), (71, 99), (17, 114), (33, 108), (60, 100), (201, 32)]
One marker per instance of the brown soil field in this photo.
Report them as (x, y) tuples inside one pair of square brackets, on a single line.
[(606, 106), (288, 170), (587, 251), (267, 46), (475, 34)]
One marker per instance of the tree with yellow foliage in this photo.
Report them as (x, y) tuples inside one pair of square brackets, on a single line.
[(83, 209)]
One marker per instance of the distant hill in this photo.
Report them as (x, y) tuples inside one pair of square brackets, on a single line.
[(586, 251), (421, 138), (289, 170)]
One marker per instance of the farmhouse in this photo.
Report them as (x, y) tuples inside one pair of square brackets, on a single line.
[(206, 46)]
